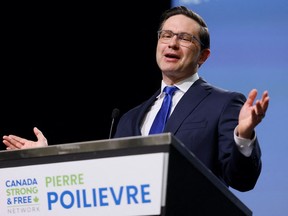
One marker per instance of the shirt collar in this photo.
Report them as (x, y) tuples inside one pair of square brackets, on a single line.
[(183, 85)]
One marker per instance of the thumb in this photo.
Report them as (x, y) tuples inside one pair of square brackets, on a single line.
[(37, 132), (40, 135)]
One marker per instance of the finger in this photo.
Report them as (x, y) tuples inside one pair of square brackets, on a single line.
[(257, 117), (251, 97), (9, 145), (259, 108), (11, 148), (262, 105), (6, 143), (16, 141), (265, 100), (264, 95)]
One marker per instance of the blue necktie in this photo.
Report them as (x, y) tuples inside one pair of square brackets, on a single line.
[(163, 114)]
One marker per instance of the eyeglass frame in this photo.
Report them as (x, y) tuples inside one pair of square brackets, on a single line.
[(179, 34)]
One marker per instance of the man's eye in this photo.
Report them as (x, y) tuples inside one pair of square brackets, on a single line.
[(166, 36), (185, 37)]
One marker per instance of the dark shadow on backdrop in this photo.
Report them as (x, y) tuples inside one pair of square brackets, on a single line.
[(66, 67)]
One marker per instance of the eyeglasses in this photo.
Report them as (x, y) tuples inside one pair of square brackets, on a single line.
[(184, 39)]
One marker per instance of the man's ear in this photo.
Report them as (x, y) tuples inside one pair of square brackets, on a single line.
[(204, 55)]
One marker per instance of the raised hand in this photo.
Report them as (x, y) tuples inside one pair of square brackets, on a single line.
[(16, 142), (252, 113)]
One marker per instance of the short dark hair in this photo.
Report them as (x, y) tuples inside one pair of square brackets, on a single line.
[(204, 35)]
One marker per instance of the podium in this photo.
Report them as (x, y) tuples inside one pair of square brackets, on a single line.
[(140, 175)]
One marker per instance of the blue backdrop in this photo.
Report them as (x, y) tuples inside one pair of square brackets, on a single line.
[(249, 46)]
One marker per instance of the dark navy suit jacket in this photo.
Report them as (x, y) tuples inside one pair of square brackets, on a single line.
[(204, 121)]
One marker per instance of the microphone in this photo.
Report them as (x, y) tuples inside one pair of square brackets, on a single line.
[(114, 115)]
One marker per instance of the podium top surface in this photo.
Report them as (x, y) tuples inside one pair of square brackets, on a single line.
[(131, 143)]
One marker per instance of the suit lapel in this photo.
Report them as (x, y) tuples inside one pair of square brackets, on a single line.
[(190, 100)]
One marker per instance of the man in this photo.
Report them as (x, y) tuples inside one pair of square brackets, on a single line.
[(217, 125)]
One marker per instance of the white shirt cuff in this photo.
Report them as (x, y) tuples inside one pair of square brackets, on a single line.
[(244, 145)]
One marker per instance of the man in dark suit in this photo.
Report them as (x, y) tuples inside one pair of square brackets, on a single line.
[(211, 122), (217, 125)]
